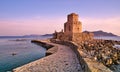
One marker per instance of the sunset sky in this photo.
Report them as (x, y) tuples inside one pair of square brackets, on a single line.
[(24, 17)]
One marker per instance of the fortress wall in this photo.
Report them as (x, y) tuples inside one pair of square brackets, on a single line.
[(78, 37)]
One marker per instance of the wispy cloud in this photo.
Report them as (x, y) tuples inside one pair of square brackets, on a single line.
[(40, 25), (111, 24), (30, 26)]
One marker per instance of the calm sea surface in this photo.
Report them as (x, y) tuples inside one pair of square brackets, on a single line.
[(109, 38), (24, 51)]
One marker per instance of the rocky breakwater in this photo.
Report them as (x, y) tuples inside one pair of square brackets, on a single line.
[(87, 64), (102, 51), (63, 60)]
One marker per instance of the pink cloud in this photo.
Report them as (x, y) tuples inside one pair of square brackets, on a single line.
[(40, 25), (30, 26), (111, 24)]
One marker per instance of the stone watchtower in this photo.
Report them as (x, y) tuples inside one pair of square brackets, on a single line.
[(72, 30), (72, 26)]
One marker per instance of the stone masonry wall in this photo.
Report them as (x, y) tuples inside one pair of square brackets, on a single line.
[(77, 37), (82, 37)]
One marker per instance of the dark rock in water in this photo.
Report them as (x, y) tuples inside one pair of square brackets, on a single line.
[(13, 54), (117, 46), (115, 68), (19, 40)]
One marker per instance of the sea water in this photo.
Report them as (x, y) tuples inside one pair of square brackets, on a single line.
[(24, 51), (15, 53), (116, 38)]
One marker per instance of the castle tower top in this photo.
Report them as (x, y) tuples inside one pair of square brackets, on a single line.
[(72, 17), (73, 25)]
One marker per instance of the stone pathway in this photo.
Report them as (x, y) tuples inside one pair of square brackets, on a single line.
[(64, 60)]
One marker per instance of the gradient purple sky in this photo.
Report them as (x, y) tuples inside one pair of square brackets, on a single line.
[(24, 17)]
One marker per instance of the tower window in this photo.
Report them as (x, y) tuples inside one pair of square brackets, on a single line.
[(69, 28)]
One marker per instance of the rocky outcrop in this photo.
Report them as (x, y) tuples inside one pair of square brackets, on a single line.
[(101, 51)]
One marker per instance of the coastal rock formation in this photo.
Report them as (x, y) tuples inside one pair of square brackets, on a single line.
[(102, 51)]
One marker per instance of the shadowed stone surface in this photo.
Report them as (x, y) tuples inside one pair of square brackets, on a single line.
[(64, 60)]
